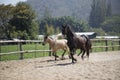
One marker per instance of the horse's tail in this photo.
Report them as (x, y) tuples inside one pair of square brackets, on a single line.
[(87, 45), (88, 42)]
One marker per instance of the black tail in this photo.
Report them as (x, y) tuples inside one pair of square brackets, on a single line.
[(88, 42), (87, 45)]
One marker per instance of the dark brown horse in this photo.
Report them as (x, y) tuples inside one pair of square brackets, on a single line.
[(76, 42)]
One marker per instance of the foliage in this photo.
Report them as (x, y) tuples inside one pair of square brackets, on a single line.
[(77, 25), (24, 20), (18, 21), (98, 13), (49, 30), (112, 25), (102, 20), (109, 10), (99, 31), (5, 17)]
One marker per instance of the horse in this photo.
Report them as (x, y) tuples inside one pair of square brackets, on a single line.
[(56, 45), (76, 42)]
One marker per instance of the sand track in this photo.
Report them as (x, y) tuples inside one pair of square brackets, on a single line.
[(100, 66)]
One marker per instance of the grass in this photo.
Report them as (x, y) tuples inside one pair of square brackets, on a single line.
[(32, 46)]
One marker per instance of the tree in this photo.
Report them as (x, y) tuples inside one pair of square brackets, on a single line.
[(109, 10), (111, 25), (77, 25), (99, 31), (98, 13), (49, 30), (5, 16), (24, 20)]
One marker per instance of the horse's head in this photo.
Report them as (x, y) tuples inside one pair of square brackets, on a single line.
[(66, 29), (45, 40)]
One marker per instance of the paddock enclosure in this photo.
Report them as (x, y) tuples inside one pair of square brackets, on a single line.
[(100, 66), (15, 50)]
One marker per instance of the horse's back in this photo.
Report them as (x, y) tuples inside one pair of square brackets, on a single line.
[(64, 41), (60, 44)]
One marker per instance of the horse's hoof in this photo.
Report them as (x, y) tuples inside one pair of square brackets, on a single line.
[(75, 59), (57, 56), (73, 62), (78, 54), (70, 57), (62, 58), (56, 59), (82, 58)]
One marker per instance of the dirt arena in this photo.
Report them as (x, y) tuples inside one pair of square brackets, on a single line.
[(100, 66)]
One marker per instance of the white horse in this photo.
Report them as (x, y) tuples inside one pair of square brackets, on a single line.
[(56, 45)]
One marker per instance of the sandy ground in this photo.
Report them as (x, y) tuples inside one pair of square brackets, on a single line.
[(100, 66)]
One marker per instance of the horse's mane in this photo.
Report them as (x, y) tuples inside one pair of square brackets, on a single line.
[(51, 37), (70, 30)]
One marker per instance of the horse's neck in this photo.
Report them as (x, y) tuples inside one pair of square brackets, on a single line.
[(51, 41), (70, 34)]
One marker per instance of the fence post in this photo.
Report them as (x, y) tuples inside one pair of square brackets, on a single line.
[(0, 52), (112, 46), (119, 43), (21, 54), (106, 44), (35, 49)]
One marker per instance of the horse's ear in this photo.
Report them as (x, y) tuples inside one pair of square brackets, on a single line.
[(63, 25), (46, 35), (68, 26)]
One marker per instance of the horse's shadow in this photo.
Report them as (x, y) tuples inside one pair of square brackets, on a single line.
[(64, 64), (56, 63)]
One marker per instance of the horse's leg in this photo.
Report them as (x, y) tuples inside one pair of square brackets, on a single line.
[(67, 49), (56, 56), (83, 55), (69, 56), (53, 54), (63, 55), (88, 53), (80, 52), (73, 59)]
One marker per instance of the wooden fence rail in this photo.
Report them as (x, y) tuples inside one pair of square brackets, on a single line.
[(105, 43), (108, 43)]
